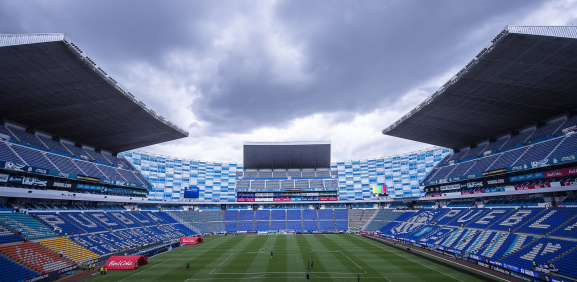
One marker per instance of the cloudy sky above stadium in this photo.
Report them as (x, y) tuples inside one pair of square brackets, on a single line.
[(234, 71)]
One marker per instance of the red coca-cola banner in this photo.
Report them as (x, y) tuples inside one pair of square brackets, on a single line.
[(560, 172), (328, 199), (472, 192), (245, 199), (190, 240), (281, 199), (533, 186), (124, 262)]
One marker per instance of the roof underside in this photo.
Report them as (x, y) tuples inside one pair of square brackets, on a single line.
[(287, 156), (521, 80), (49, 87)]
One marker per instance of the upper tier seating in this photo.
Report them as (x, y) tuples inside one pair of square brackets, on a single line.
[(294, 214), (341, 214), (30, 227), (34, 257), (547, 221), (278, 214), (262, 215), (10, 271), (325, 214)]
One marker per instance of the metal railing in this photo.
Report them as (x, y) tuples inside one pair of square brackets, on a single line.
[(556, 31), (22, 39)]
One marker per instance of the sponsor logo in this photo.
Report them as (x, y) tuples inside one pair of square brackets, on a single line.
[(88, 178), (495, 263), (66, 269), (62, 184), (483, 264), (64, 174), (4, 177), (28, 180), (119, 263), (475, 184), (568, 158), (37, 278), (40, 171), (474, 256), (13, 166), (496, 181), (15, 179)]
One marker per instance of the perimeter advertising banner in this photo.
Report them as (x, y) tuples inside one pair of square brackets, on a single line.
[(190, 240)]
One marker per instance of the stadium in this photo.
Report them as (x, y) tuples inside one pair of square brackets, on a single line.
[(493, 199)]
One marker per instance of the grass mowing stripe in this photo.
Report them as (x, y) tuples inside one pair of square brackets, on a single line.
[(488, 275), (342, 260), (337, 240), (407, 258)]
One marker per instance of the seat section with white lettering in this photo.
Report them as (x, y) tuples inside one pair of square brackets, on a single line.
[(105, 220), (541, 251), (568, 229), (548, 220), (141, 219), (489, 218), (468, 216), (450, 215), (83, 221), (57, 221), (516, 219), (437, 235), (124, 219)]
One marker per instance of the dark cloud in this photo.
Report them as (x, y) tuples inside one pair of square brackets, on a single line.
[(354, 56)]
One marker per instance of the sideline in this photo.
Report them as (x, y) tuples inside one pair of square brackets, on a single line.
[(473, 272)]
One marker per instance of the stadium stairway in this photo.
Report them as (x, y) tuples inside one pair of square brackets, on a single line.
[(34, 257), (69, 249)]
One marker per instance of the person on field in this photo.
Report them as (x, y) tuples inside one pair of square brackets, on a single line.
[(358, 278), (312, 264), (271, 254), (105, 270), (187, 266), (308, 265), (307, 276), (102, 271)]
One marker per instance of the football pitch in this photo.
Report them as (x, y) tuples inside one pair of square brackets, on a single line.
[(248, 258)]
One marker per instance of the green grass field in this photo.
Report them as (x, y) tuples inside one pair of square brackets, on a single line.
[(238, 258)]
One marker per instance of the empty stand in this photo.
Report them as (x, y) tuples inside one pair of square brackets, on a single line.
[(35, 257)]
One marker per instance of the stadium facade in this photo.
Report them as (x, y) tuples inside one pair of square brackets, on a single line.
[(401, 174), (169, 176), (217, 180)]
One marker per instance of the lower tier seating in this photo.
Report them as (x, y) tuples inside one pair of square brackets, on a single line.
[(11, 271), (69, 249), (35, 257)]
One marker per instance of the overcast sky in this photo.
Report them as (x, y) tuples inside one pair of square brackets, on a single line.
[(234, 71)]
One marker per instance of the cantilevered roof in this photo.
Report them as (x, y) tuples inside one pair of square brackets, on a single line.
[(285, 155), (48, 83), (526, 75)]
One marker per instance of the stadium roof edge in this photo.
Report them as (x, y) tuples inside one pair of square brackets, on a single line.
[(551, 31), (8, 40)]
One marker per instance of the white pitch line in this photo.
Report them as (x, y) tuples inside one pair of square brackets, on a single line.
[(370, 243), (220, 264), (169, 259)]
